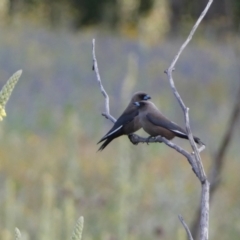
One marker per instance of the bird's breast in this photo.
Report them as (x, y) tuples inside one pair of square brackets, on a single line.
[(132, 126), (154, 130)]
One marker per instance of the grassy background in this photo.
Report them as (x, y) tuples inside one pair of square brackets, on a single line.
[(50, 172)]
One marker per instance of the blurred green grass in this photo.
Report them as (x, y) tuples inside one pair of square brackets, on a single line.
[(50, 172)]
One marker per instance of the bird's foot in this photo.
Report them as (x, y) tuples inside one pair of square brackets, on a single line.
[(148, 139), (132, 138)]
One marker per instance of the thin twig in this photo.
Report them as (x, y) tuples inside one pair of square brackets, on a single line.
[(177, 95), (186, 227), (190, 36), (135, 139), (104, 93), (204, 221)]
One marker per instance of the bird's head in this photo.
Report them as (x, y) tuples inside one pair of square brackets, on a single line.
[(140, 96)]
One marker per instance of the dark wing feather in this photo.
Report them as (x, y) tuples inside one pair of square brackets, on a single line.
[(106, 142), (173, 127), (119, 124), (165, 123)]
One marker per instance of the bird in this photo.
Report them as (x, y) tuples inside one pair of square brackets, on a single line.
[(127, 123), (156, 124)]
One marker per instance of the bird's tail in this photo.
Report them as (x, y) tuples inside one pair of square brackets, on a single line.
[(107, 141), (101, 140), (196, 139)]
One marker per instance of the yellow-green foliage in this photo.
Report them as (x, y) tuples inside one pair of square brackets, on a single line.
[(77, 232), (6, 91), (76, 235)]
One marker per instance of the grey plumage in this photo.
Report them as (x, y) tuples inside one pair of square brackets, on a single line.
[(127, 123), (155, 123)]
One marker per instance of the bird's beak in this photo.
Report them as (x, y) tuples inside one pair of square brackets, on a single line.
[(137, 104), (146, 97)]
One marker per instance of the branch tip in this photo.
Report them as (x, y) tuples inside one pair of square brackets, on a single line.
[(104, 93)]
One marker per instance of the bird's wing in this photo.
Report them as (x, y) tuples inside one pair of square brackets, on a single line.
[(165, 123), (119, 124)]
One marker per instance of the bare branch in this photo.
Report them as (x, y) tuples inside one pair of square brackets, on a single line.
[(204, 221), (135, 139), (218, 161), (194, 147), (190, 35), (196, 163), (104, 93), (186, 227), (184, 108)]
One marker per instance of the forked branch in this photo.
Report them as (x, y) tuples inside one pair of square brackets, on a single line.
[(204, 220), (134, 138), (193, 159), (106, 114)]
